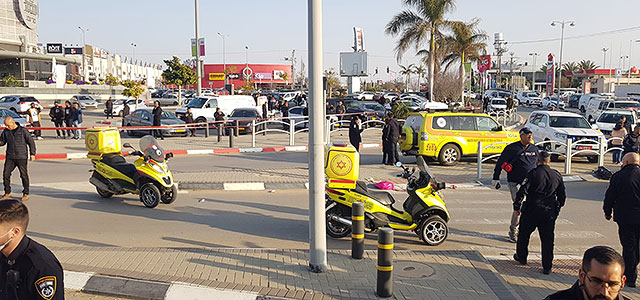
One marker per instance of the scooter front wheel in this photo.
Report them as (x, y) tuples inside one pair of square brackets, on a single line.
[(104, 193), (170, 196), (150, 195), (434, 230)]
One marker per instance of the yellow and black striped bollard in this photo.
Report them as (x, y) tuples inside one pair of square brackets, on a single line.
[(385, 262), (357, 230)]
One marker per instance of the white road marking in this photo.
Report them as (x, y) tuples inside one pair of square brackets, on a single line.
[(185, 291), (486, 221), (558, 234), (244, 186), (200, 151), (75, 280)]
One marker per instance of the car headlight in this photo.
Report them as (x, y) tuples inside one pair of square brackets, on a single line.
[(561, 136), (157, 168)]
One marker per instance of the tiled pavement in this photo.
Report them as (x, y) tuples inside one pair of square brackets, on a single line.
[(284, 273)]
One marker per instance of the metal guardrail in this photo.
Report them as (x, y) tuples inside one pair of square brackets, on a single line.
[(598, 148), (506, 115)]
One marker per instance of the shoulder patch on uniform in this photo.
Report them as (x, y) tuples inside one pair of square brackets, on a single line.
[(46, 287), (525, 181)]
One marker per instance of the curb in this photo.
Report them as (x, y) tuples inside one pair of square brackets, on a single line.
[(143, 289), (270, 186), (83, 155)]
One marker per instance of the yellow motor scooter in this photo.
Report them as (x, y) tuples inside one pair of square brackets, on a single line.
[(424, 210)]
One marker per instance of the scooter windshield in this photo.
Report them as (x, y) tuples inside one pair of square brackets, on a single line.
[(422, 165), (151, 149)]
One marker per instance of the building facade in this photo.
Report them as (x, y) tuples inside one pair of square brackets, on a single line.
[(263, 76)]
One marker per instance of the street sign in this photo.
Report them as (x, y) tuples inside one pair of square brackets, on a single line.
[(216, 76), (618, 73)]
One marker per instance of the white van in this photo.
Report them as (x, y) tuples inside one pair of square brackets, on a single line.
[(597, 106), (583, 103), (203, 108)]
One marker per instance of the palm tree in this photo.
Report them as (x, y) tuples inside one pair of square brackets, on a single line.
[(416, 26), (407, 71), (570, 67), (587, 65), (466, 44), (420, 71)]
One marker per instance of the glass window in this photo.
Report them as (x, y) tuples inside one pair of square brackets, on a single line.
[(415, 122), (137, 113), (545, 120), (442, 123), (569, 122), (198, 102), (466, 123), (486, 124)]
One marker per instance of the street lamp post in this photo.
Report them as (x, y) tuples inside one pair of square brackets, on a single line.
[(84, 46), (134, 50), (562, 23), (604, 65), (533, 71), (224, 59), (630, 48), (198, 69), (317, 225), (246, 55)]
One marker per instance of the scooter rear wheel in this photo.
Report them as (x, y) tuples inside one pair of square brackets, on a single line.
[(150, 195), (434, 230), (336, 229), (104, 193)]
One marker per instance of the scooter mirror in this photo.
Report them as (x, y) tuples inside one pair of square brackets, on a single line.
[(398, 164), (127, 145), (168, 155)]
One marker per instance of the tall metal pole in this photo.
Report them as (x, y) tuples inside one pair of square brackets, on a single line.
[(562, 23), (317, 221), (293, 69), (224, 59), (84, 46), (198, 69), (533, 71)]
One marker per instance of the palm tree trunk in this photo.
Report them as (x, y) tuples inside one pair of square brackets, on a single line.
[(462, 78), (432, 46)]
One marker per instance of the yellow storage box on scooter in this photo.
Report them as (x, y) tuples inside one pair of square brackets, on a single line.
[(342, 166), (99, 141)]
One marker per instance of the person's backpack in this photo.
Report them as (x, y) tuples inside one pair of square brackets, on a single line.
[(602, 173)]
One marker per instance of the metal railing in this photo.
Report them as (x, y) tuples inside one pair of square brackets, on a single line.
[(571, 149), (506, 115)]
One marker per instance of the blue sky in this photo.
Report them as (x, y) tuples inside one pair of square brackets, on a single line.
[(271, 29)]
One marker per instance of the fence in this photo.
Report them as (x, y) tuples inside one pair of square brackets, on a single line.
[(507, 115), (572, 149)]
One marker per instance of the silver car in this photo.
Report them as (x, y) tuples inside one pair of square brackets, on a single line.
[(85, 101), (144, 118)]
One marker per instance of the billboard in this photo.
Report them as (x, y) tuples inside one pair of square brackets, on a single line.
[(353, 64), (262, 76), (193, 47), (551, 74), (216, 76), (54, 48), (277, 74), (485, 63), (358, 39), (73, 50)]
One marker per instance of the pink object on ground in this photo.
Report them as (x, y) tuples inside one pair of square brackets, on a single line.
[(384, 185)]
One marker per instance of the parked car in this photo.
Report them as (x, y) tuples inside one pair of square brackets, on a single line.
[(85, 101), (583, 103), (529, 98), (242, 117), (497, 104), (550, 101), (418, 103), (169, 99), (574, 99), (118, 105), (143, 117), (609, 118), (203, 108), (469, 94), (597, 106), (497, 93), (560, 126), (4, 113), (18, 104)]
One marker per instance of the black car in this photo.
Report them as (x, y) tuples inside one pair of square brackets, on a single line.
[(348, 103), (143, 118), (242, 117)]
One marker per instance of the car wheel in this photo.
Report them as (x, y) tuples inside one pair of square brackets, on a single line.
[(120, 113), (582, 110), (131, 133), (592, 159), (449, 155), (175, 103)]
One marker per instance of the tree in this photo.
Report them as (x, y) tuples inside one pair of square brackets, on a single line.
[(111, 81), (420, 71), (418, 25), (407, 71), (570, 67), (587, 65), (333, 82), (133, 88), (400, 110), (465, 44), (10, 81), (179, 74)]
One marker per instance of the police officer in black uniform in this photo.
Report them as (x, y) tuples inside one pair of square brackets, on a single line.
[(28, 270), (545, 194)]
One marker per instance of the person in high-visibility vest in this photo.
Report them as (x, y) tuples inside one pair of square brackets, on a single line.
[(34, 119)]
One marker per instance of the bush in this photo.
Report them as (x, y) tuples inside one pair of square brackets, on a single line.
[(400, 110), (10, 81)]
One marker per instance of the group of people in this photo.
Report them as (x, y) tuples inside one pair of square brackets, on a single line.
[(69, 115), (390, 137)]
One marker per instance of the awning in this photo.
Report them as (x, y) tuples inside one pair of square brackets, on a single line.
[(45, 57)]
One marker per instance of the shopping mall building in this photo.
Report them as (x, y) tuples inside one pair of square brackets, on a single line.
[(34, 62), (263, 76)]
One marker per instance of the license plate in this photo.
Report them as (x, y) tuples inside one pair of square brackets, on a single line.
[(373, 118), (242, 128), (584, 147), (179, 130)]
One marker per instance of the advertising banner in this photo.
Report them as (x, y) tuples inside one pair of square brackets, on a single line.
[(263, 76), (216, 76), (485, 63), (73, 50), (551, 74), (54, 48), (193, 47), (277, 74), (358, 39)]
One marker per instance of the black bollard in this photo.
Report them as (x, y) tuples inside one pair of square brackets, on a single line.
[(357, 230), (385, 262), (206, 130), (231, 138), (219, 127), (236, 129)]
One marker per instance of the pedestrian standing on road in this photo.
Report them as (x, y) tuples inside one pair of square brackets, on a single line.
[(392, 140), (355, 132), (517, 159), (188, 118), (601, 277), (626, 124), (265, 114), (157, 119), (285, 115), (109, 108), (34, 119), (68, 117), (385, 137), (28, 270), (631, 142), (340, 110), (126, 110), (329, 109), (618, 132), (510, 103), (20, 148), (546, 195), (622, 199), (57, 117), (77, 121)]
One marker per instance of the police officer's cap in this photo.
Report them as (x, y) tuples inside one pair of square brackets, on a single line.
[(525, 130)]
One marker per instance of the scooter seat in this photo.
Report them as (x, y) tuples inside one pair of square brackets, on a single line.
[(121, 165), (384, 198)]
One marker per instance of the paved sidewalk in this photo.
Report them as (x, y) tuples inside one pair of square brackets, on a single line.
[(284, 273)]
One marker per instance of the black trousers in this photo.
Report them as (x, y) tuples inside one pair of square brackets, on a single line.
[(630, 238), (109, 113), (69, 123), (545, 222), (158, 132), (59, 123), (38, 132), (9, 166), (385, 151), (393, 155)]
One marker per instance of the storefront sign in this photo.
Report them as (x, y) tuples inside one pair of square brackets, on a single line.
[(277, 74), (263, 76), (27, 12), (55, 48), (73, 50), (216, 76), (234, 76)]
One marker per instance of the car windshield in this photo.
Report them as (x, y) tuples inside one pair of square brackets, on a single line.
[(627, 105), (498, 102), (374, 106), (197, 102), (151, 149), (168, 115), (569, 122), (553, 99), (10, 113), (532, 95), (612, 118), (84, 98), (504, 95), (28, 99), (244, 113)]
